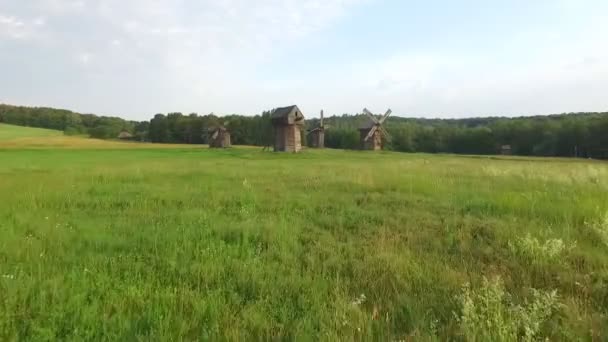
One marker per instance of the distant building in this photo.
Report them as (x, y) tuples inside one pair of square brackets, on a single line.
[(506, 150), (372, 133), (124, 135), (219, 137), (317, 134), (371, 142), (287, 123)]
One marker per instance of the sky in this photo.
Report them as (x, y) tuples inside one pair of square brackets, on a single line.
[(434, 58)]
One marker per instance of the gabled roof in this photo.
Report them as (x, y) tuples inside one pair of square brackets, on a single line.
[(283, 112), (291, 115)]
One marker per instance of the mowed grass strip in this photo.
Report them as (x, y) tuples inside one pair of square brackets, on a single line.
[(187, 244)]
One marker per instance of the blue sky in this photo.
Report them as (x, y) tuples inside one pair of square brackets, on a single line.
[(434, 58)]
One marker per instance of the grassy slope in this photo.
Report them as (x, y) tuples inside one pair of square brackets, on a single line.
[(10, 132), (17, 137), (168, 244)]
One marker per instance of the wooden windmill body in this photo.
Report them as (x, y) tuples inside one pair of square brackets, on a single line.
[(373, 134), (287, 123), (317, 134), (219, 137)]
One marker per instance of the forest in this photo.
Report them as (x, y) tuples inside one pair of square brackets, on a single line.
[(564, 135)]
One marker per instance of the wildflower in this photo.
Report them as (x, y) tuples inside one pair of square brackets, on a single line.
[(359, 300), (8, 276), (537, 251)]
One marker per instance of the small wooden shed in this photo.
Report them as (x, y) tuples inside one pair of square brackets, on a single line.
[(219, 137), (287, 123), (506, 150), (124, 135)]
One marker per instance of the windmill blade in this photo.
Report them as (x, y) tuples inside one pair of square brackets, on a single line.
[(371, 133), (321, 123), (215, 134), (313, 130), (388, 113), (371, 116), (387, 136)]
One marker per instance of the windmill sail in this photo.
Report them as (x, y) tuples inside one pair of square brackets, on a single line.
[(371, 133)]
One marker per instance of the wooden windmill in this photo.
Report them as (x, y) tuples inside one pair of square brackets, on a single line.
[(287, 123), (373, 132), (219, 137), (317, 134)]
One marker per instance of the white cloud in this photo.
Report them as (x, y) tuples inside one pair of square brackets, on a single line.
[(205, 55), (12, 27), (84, 58)]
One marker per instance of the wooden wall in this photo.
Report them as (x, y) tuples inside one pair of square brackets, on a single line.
[(372, 144), (318, 139), (287, 138)]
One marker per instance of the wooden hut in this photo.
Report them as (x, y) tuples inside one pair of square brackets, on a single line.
[(506, 150), (287, 123), (124, 135), (219, 137)]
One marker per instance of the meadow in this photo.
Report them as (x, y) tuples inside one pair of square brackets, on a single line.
[(125, 241)]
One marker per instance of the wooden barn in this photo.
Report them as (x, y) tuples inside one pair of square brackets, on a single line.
[(219, 137), (287, 123)]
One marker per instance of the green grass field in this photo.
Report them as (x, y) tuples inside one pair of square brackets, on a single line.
[(129, 242), (9, 132)]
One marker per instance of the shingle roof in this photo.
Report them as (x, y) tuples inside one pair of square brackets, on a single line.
[(282, 112), (366, 125)]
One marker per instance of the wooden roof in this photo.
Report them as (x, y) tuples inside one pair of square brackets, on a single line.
[(291, 115), (283, 112), (125, 135), (366, 126)]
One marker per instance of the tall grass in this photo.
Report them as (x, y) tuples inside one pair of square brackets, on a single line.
[(177, 244)]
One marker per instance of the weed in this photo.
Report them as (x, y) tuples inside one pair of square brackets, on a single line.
[(530, 248), (489, 313)]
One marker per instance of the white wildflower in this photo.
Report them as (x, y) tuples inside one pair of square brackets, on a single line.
[(531, 248), (359, 300)]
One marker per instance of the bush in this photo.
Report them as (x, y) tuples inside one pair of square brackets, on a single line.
[(600, 228), (531, 249), (488, 313)]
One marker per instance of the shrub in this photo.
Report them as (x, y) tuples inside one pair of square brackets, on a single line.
[(532, 249), (601, 229), (488, 313)]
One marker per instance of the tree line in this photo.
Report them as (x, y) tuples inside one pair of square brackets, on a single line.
[(565, 135)]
